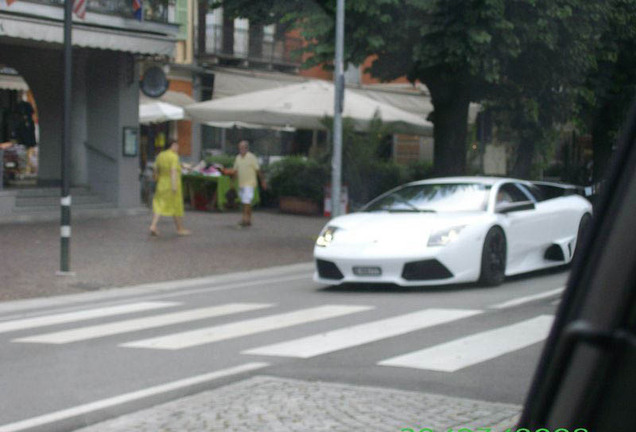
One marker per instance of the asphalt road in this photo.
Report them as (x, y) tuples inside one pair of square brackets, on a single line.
[(117, 349)]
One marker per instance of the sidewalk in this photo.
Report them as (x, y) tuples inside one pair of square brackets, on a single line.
[(118, 251), (265, 403)]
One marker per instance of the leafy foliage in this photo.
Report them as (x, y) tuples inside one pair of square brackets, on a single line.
[(298, 177), (527, 59), (610, 88), (542, 83)]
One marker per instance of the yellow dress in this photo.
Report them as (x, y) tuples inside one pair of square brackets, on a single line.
[(166, 202)]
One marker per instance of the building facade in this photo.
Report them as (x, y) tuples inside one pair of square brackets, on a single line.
[(112, 44)]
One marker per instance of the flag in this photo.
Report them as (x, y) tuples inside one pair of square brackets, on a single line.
[(137, 7), (79, 8)]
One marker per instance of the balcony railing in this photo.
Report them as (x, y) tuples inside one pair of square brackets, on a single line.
[(258, 47), (153, 10)]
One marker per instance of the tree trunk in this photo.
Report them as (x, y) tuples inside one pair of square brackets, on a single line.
[(450, 120), (256, 42), (525, 155), (602, 142), (228, 36)]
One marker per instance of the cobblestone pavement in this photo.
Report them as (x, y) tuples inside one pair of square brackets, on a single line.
[(265, 403)]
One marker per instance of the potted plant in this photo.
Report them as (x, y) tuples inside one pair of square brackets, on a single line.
[(298, 183)]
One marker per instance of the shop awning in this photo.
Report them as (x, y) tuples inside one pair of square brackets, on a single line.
[(13, 82), (159, 112), (15, 26), (170, 97)]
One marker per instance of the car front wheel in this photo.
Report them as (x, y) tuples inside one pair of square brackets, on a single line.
[(493, 258)]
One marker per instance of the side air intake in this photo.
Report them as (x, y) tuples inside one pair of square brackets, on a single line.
[(554, 253)]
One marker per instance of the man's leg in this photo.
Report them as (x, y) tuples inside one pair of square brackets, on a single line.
[(246, 195), (245, 214), (248, 214)]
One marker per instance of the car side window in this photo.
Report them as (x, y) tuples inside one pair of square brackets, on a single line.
[(533, 192), (510, 193)]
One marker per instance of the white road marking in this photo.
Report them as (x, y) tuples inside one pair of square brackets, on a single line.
[(361, 334), (97, 331), (471, 350), (162, 290), (22, 324), (244, 328), (128, 397), (527, 299)]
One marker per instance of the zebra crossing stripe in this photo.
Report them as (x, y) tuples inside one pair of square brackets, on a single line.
[(528, 299), (244, 328), (471, 350), (110, 329), (28, 323), (361, 334)]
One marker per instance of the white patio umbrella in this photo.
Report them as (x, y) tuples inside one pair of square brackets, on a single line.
[(243, 125), (303, 106), (156, 112)]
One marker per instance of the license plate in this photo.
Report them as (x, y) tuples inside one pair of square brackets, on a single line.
[(367, 271), (10, 164)]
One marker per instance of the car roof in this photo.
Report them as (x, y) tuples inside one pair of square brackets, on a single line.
[(490, 181)]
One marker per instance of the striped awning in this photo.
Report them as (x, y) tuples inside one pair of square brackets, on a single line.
[(87, 36)]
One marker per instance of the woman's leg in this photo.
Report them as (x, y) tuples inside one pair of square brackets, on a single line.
[(178, 222), (153, 225)]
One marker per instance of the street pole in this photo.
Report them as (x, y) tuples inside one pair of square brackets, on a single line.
[(65, 226), (336, 164)]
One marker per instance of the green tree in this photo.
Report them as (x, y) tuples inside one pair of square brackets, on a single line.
[(540, 85), (453, 46), (611, 87), (463, 50)]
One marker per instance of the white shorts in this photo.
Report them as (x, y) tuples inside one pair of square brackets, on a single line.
[(246, 193)]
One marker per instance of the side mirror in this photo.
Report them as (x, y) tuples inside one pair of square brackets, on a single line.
[(514, 207)]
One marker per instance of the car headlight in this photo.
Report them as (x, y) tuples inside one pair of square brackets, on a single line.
[(326, 236), (445, 236)]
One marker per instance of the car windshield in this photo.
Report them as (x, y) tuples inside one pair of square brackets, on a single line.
[(433, 197)]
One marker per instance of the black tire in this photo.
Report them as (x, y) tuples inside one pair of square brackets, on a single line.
[(493, 258), (584, 227)]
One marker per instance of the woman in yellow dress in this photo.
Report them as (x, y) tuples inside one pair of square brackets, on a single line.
[(168, 199)]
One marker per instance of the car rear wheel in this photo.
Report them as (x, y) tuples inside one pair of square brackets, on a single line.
[(493, 258)]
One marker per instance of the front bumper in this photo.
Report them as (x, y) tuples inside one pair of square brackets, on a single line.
[(434, 266)]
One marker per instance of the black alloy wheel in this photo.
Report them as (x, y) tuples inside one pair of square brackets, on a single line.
[(493, 258)]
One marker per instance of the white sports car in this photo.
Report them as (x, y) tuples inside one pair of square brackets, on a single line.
[(452, 230)]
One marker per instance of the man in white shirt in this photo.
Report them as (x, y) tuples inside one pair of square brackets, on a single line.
[(247, 170)]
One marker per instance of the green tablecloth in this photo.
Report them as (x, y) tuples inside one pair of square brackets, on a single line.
[(214, 189)]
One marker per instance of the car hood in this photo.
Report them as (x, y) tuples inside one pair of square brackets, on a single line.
[(397, 227)]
